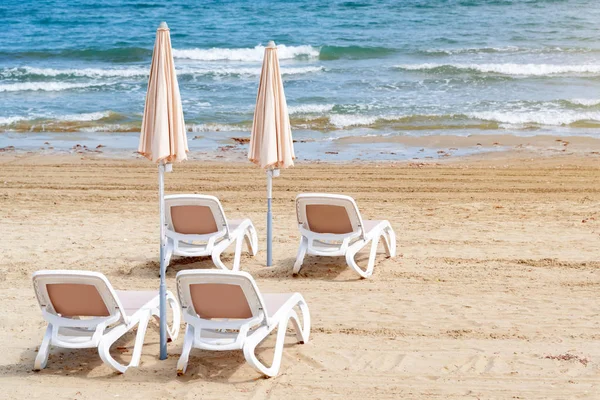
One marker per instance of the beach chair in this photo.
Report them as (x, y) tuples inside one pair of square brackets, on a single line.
[(224, 310), (331, 225), (84, 311), (196, 226)]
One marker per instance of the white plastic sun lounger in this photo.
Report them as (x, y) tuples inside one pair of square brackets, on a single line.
[(84, 311), (224, 310), (196, 226), (331, 225)]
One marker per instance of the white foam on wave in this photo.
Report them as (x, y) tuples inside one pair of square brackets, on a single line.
[(93, 116), (140, 73), (510, 49), (346, 120), (12, 120), (83, 72), (547, 117), (47, 86), (511, 68), (107, 128), (469, 50), (585, 102), (246, 71), (245, 54), (310, 108), (211, 127)]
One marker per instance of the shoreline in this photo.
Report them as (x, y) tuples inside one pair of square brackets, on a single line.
[(369, 149)]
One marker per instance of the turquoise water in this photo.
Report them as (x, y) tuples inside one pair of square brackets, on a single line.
[(359, 68)]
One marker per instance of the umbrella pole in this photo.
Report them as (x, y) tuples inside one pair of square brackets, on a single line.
[(163, 285), (269, 218)]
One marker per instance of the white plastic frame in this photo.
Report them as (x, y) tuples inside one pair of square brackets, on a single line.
[(100, 332), (346, 245), (242, 334), (213, 244)]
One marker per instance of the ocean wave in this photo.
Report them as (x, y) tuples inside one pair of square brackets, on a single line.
[(507, 49), (470, 120), (27, 71), (310, 108), (109, 128), (504, 69), (245, 54), (108, 121), (528, 118), (585, 102), (12, 120), (93, 116), (92, 121), (249, 71), (48, 86), (344, 121), (214, 127)]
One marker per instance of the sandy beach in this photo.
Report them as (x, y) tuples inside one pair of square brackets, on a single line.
[(494, 293)]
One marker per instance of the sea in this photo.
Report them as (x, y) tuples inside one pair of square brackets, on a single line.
[(75, 72)]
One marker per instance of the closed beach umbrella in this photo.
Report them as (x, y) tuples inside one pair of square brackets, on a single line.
[(271, 144), (163, 141)]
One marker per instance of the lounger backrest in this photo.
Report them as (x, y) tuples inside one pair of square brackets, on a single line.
[(220, 294), (72, 294), (328, 214), (195, 214)]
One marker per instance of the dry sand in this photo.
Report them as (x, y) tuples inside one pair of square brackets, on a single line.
[(494, 293)]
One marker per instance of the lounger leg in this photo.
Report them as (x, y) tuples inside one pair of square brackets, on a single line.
[(238, 253), (391, 240), (251, 239), (355, 249), (386, 242), (256, 338), (111, 337), (42, 356), (188, 342), (301, 254), (302, 333), (107, 341), (217, 251), (139, 341), (373, 255)]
